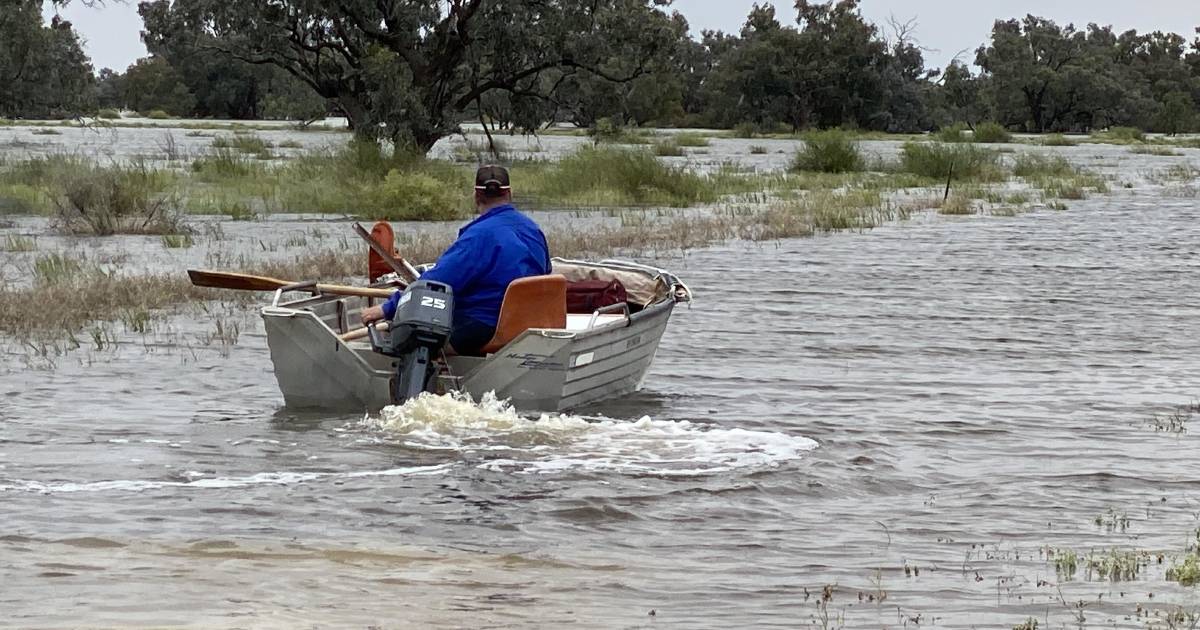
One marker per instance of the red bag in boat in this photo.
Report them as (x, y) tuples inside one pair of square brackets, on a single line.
[(585, 296)]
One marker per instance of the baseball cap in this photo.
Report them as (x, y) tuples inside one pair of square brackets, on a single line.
[(492, 179)]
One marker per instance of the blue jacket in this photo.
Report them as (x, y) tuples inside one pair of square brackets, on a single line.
[(499, 246)]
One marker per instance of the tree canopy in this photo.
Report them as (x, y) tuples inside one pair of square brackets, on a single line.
[(412, 71), (43, 68), (408, 70)]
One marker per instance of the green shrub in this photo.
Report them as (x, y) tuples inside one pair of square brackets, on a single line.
[(991, 133), (109, 114), (413, 196), (158, 114), (606, 130), (965, 161), (832, 151), (953, 133), (612, 177)]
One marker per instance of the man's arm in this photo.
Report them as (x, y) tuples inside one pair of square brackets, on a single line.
[(458, 267)]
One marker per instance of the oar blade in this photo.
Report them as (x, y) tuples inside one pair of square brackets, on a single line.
[(235, 281)]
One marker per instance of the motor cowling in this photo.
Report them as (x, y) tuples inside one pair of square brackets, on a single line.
[(418, 332)]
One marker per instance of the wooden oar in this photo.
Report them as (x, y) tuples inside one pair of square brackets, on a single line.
[(359, 333), (246, 282)]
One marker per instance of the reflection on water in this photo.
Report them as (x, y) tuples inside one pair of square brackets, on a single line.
[(983, 391)]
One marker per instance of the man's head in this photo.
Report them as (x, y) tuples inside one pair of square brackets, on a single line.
[(492, 187)]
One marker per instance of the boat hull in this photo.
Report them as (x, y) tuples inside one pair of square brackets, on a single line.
[(540, 370)]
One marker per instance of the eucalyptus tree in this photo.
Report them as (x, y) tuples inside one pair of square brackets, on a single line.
[(43, 69), (411, 70)]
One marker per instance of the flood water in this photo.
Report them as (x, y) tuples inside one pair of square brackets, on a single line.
[(910, 419)]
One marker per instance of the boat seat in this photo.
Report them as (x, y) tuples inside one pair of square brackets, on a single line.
[(532, 302)]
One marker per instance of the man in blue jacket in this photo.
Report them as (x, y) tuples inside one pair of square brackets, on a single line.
[(499, 246)]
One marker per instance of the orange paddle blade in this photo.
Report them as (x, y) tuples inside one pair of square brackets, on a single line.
[(382, 234)]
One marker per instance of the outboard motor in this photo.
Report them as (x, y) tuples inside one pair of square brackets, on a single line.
[(417, 334)]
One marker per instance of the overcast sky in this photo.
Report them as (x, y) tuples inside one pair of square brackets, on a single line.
[(946, 27)]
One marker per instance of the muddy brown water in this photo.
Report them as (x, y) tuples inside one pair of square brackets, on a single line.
[(910, 417)]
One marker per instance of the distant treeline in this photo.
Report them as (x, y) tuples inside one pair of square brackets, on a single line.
[(413, 71)]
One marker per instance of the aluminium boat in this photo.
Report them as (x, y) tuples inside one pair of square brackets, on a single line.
[(322, 361)]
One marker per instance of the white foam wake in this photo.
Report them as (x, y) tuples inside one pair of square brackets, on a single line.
[(560, 442), (202, 483)]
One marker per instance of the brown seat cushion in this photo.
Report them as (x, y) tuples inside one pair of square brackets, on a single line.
[(533, 302)]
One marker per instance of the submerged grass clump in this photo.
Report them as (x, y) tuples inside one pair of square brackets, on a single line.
[(225, 164), (606, 176), (1186, 570), (177, 241), (942, 161), (85, 197), (104, 200), (1159, 151), (690, 139), (1058, 140), (668, 148), (246, 143), (1056, 177), (16, 243), (53, 269), (1116, 565), (957, 205), (832, 151)]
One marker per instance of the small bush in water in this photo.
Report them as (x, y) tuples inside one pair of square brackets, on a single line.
[(1122, 135), (992, 133), (104, 200), (690, 139), (605, 176), (406, 196), (936, 160), (832, 151), (667, 148), (54, 268), (953, 133), (1037, 165)]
